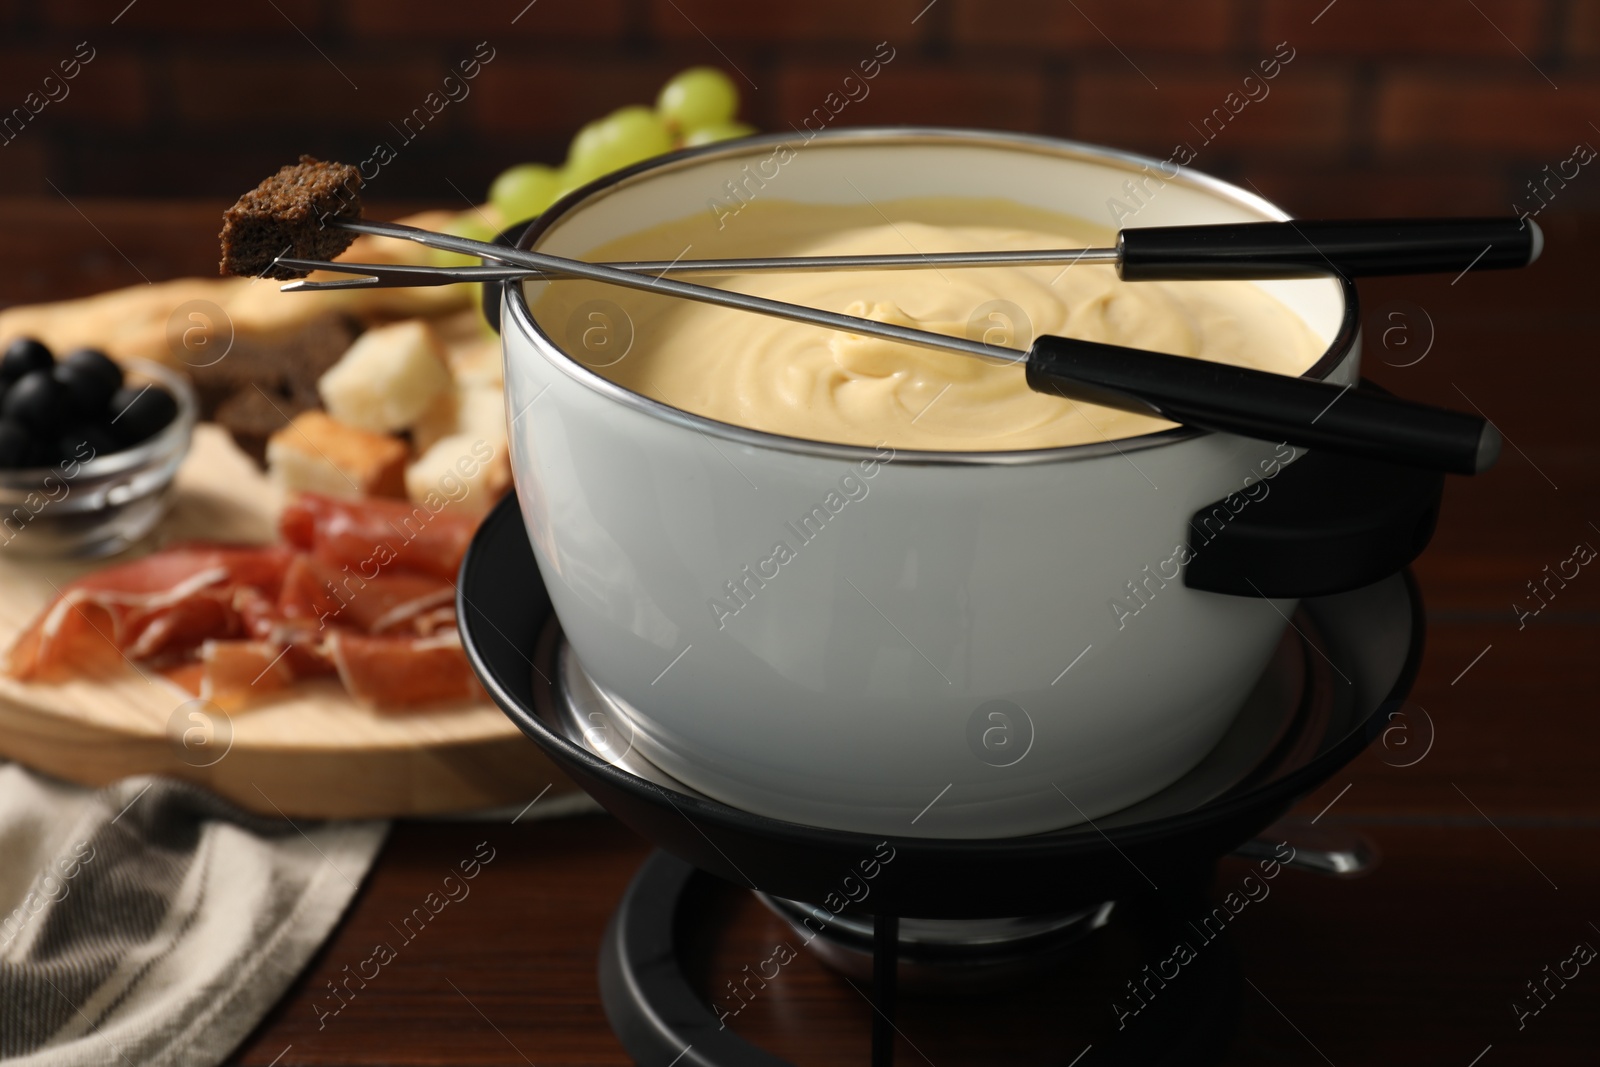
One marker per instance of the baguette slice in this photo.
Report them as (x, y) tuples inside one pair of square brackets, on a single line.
[(319, 454)]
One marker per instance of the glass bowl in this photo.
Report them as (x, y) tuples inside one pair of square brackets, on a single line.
[(96, 507)]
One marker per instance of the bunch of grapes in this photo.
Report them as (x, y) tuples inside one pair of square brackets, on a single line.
[(696, 107)]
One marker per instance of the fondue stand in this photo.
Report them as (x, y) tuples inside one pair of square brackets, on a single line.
[(937, 916)]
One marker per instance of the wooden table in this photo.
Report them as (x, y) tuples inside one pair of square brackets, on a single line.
[(1490, 869)]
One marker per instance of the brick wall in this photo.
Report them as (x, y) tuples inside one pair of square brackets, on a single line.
[(1429, 106)]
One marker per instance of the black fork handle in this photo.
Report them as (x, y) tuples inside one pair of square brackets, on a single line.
[(1352, 247), (1270, 407)]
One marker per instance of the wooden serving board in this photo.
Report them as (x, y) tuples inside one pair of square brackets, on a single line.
[(313, 753)]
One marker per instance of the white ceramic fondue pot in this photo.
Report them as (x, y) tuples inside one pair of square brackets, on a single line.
[(943, 644)]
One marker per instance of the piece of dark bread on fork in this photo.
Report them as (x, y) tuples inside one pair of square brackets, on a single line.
[(289, 214)]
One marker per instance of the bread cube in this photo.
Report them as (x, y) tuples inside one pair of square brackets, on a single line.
[(320, 454), (439, 420), (387, 379), (476, 409), (468, 472)]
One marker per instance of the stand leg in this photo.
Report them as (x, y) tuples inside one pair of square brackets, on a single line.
[(885, 967)]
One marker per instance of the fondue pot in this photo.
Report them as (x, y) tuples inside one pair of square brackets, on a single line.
[(925, 644)]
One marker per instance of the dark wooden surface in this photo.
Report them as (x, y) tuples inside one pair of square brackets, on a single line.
[(1490, 865)]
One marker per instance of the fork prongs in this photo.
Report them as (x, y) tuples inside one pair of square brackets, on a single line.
[(393, 275)]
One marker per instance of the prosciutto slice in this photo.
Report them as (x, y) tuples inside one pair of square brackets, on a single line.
[(397, 670), (162, 603), (318, 594), (235, 674), (361, 589), (372, 535)]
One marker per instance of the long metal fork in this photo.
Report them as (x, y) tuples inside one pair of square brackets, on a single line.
[(394, 275)]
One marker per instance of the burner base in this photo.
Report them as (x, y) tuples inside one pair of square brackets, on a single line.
[(951, 957), (1125, 1013)]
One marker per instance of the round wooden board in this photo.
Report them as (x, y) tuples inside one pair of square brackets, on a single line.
[(313, 753)]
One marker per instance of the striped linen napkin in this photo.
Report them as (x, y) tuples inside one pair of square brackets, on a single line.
[(153, 923)]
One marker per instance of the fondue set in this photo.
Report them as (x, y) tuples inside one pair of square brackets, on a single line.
[(1030, 695)]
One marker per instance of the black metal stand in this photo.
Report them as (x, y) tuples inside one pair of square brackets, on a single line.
[(885, 972), (648, 1000), (663, 1021)]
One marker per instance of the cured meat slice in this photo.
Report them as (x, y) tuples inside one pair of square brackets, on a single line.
[(370, 536), (397, 601), (399, 671), (159, 603), (258, 611), (235, 674), (317, 595), (307, 598), (264, 621), (434, 620), (255, 565), (181, 626), (186, 675), (363, 589)]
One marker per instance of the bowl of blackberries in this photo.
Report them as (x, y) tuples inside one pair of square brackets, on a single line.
[(88, 448)]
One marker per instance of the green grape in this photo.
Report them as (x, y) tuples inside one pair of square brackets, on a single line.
[(467, 224), (623, 137), (697, 97), (524, 191), (721, 131), (569, 181), (583, 154)]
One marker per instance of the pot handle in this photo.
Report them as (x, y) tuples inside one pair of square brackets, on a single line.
[(1326, 523)]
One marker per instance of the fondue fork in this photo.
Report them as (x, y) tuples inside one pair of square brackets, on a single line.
[(1251, 250), (1195, 392)]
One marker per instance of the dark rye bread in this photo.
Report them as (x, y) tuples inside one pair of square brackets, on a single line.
[(252, 416), (288, 214), (266, 380)]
